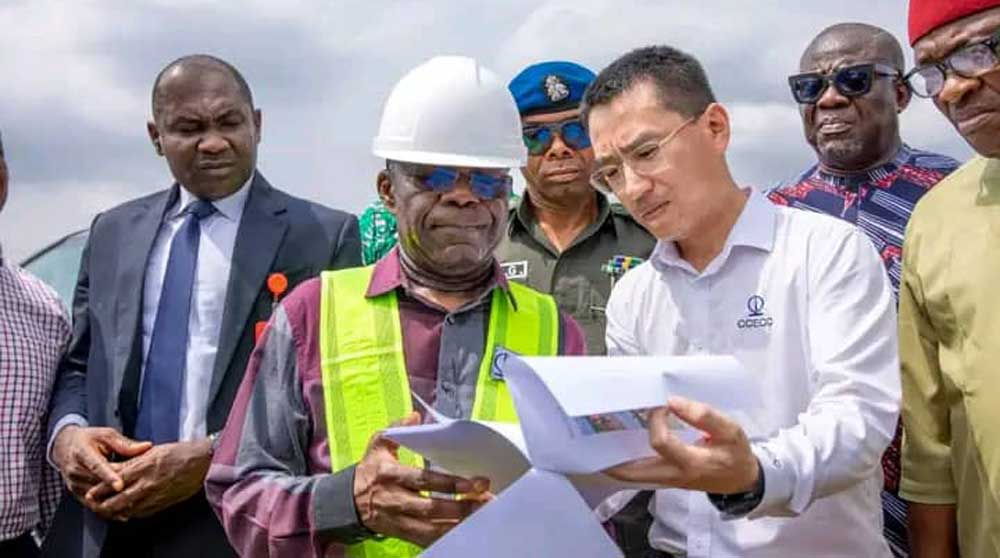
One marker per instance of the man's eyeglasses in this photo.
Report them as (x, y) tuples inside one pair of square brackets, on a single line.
[(643, 160), (971, 61), (850, 81), (539, 137), (484, 184)]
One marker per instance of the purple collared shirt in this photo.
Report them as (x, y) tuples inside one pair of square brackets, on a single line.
[(270, 481)]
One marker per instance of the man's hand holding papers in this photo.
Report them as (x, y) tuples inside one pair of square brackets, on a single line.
[(581, 416), (388, 500), (719, 462)]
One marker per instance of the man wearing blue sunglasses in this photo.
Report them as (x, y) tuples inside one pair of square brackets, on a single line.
[(563, 237), (301, 469)]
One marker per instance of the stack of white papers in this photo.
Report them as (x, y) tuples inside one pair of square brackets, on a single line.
[(578, 416)]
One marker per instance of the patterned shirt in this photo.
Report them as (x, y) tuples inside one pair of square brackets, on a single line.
[(270, 479), (378, 232), (34, 332), (879, 200)]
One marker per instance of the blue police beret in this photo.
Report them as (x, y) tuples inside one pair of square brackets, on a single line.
[(550, 87)]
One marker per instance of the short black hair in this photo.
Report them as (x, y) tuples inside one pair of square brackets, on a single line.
[(206, 61), (678, 76)]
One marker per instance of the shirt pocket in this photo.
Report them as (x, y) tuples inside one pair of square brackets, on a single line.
[(578, 297)]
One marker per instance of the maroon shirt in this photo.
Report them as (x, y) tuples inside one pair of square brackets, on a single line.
[(270, 481)]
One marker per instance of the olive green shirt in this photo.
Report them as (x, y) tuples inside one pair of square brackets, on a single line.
[(949, 336), (575, 277)]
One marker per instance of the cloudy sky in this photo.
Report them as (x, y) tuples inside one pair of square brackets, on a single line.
[(75, 80)]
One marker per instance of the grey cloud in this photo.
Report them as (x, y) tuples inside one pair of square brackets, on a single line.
[(321, 70)]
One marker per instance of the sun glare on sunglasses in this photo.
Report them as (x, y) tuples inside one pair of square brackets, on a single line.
[(484, 184), (538, 138)]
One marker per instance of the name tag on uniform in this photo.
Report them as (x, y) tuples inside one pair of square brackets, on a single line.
[(515, 270), (500, 355)]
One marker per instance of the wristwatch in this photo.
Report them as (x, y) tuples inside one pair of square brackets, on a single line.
[(214, 439), (741, 503)]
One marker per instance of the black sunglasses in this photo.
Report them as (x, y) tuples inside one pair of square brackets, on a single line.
[(851, 81), (538, 138)]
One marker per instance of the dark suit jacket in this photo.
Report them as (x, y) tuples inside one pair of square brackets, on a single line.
[(100, 376)]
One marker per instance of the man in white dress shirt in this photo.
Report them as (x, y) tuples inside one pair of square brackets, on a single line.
[(800, 298)]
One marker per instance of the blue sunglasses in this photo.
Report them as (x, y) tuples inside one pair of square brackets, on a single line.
[(538, 138), (442, 180)]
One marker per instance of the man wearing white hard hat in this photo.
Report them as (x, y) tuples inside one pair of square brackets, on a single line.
[(301, 469)]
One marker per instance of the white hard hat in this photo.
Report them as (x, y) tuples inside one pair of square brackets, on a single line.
[(451, 111)]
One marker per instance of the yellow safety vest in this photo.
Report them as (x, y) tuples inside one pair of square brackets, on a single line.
[(365, 386)]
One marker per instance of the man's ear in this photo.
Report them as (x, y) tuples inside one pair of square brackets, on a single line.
[(154, 136), (903, 96), (258, 119), (717, 118), (383, 187)]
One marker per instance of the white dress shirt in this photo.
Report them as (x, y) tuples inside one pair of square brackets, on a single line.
[(215, 252), (208, 301), (802, 300)]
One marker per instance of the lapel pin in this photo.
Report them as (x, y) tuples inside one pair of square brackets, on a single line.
[(277, 284)]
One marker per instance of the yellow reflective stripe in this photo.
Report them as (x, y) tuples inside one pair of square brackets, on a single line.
[(485, 405), (358, 336), (333, 395), (548, 323), (365, 386), (531, 329), (386, 548)]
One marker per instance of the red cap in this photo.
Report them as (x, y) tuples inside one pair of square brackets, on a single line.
[(928, 15)]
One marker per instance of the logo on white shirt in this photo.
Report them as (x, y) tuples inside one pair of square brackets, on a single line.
[(755, 317)]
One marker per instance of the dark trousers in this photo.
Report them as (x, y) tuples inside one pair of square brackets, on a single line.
[(631, 525), (21, 547), (187, 530)]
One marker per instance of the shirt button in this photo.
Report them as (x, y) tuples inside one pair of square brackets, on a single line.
[(449, 320)]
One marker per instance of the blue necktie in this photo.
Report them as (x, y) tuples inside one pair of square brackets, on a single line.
[(163, 379)]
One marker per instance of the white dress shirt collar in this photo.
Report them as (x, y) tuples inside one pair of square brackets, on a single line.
[(754, 228), (230, 207)]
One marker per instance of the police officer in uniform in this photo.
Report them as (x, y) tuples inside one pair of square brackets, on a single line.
[(563, 237)]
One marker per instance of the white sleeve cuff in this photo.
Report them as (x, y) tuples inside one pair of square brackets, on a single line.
[(614, 504), (70, 419), (779, 483)]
